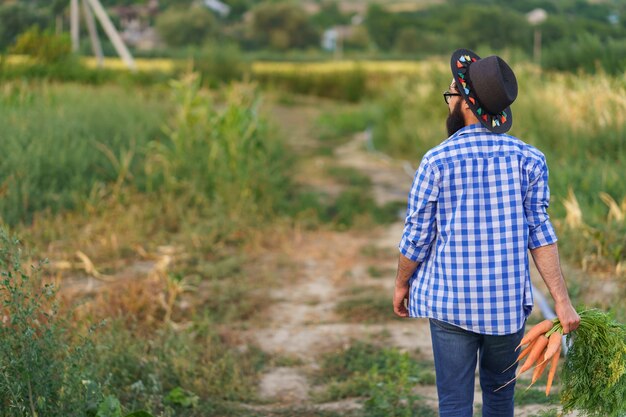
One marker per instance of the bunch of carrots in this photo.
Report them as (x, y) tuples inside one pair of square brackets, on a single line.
[(542, 347), (593, 375)]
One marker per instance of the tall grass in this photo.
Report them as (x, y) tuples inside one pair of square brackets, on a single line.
[(59, 141), (221, 155)]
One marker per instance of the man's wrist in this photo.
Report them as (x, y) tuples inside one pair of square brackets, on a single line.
[(401, 283)]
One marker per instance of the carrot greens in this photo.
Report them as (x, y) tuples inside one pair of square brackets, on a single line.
[(593, 376)]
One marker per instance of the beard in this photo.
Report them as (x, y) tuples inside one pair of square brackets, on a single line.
[(455, 120)]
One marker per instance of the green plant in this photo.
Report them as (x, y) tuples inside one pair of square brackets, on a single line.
[(44, 47), (384, 375), (63, 142), (594, 373), (221, 63), (223, 157), (42, 370), (176, 372), (181, 26)]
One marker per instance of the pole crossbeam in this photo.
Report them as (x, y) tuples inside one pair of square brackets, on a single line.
[(95, 6)]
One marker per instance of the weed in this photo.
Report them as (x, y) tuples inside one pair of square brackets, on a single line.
[(62, 141), (384, 376), (42, 370), (369, 305)]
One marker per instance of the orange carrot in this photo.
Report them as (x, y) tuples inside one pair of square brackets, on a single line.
[(538, 329), (553, 364), (535, 353), (526, 350), (522, 355), (554, 343), (538, 371)]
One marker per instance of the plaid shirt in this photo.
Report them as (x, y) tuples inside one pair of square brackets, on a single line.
[(477, 204)]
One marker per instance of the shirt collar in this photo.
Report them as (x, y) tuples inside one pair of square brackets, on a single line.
[(468, 130), (475, 128)]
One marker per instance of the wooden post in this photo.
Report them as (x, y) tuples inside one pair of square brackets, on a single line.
[(537, 47), (93, 34), (111, 32), (74, 25)]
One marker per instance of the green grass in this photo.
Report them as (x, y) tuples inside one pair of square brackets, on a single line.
[(61, 141), (366, 305), (533, 396), (336, 127), (143, 372), (383, 376)]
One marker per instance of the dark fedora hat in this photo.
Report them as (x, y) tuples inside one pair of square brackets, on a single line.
[(488, 85)]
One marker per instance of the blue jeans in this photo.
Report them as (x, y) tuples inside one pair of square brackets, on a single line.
[(456, 351)]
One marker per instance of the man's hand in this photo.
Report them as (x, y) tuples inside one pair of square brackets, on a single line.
[(568, 317), (400, 294), (406, 267)]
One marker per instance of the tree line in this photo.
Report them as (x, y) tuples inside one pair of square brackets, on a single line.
[(575, 33)]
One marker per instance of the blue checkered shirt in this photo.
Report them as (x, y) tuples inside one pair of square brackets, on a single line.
[(477, 204)]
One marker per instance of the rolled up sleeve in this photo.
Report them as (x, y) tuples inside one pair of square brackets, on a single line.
[(540, 229), (420, 224)]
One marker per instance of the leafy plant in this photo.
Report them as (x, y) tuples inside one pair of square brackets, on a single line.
[(41, 371), (594, 373), (221, 157), (44, 47), (179, 396)]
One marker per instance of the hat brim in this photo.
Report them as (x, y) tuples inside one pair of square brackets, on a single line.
[(460, 61)]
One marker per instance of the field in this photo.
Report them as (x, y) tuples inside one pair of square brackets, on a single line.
[(230, 250)]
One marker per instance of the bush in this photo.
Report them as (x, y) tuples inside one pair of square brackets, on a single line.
[(41, 371), (44, 47), (15, 18), (282, 25), (588, 53), (186, 26), (218, 63), (222, 157)]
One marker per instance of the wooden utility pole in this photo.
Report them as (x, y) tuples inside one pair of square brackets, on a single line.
[(74, 25), (111, 32), (93, 34), (537, 46), (107, 25)]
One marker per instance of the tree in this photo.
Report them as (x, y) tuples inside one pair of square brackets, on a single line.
[(46, 48), (186, 26), (329, 15), (283, 25), (15, 18), (381, 25), (408, 40), (496, 27)]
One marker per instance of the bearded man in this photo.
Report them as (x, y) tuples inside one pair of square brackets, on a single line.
[(477, 206)]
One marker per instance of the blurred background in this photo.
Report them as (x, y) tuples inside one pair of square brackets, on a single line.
[(201, 199)]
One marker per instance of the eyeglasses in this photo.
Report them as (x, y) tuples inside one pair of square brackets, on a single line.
[(447, 95)]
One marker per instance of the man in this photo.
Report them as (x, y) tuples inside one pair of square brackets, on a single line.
[(477, 205)]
